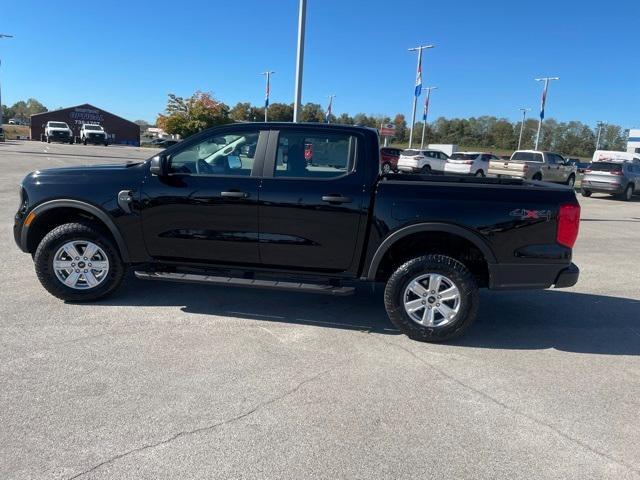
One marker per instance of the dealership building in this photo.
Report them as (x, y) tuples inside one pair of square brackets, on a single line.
[(119, 130), (633, 144)]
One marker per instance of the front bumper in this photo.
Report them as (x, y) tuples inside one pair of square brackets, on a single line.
[(532, 276)]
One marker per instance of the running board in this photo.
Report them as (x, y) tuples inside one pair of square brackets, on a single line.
[(245, 282)]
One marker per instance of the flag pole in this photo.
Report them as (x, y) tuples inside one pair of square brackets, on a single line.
[(418, 88), (426, 112)]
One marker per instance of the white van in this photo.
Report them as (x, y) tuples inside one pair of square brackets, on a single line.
[(612, 156)]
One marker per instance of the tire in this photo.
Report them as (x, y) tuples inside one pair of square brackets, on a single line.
[(53, 242), (586, 193), (48, 139), (106, 144), (453, 272), (537, 177), (84, 142), (628, 193), (571, 181), (426, 170), (386, 168), (479, 173)]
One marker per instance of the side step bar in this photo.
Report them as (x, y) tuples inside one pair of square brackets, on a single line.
[(245, 282)]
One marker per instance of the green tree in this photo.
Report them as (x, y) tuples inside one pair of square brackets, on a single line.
[(280, 112), (312, 112), (241, 112), (186, 116), (345, 119)]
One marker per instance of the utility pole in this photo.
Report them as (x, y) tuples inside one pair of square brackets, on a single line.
[(524, 116), (425, 113), (302, 19), (330, 108), (418, 87), (267, 89), (2, 35), (542, 103), (600, 124)]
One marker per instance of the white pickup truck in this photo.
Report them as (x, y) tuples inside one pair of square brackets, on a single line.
[(95, 134), (57, 132), (535, 165)]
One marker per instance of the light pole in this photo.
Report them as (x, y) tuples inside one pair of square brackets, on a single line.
[(524, 116), (2, 35), (302, 19), (267, 89), (425, 113), (418, 88), (330, 108), (542, 103), (600, 124)]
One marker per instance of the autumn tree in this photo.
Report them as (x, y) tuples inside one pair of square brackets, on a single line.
[(186, 116)]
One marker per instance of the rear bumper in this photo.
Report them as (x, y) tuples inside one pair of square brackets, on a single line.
[(603, 187), (532, 276), (457, 169)]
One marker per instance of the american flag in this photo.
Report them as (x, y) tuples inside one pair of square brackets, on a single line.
[(327, 117)]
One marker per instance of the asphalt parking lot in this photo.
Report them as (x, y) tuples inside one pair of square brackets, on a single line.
[(187, 381)]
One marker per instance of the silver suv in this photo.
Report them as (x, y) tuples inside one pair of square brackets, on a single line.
[(615, 178)]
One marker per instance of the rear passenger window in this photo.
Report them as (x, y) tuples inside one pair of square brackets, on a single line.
[(317, 155)]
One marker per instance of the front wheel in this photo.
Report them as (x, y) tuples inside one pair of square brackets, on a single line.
[(432, 298), (84, 142), (78, 262), (386, 168), (571, 181), (628, 193)]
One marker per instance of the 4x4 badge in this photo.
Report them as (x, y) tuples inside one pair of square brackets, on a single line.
[(525, 214)]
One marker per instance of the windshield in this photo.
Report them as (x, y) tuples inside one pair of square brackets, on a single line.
[(92, 127), (411, 153), (605, 167), (463, 156), (58, 125), (527, 157)]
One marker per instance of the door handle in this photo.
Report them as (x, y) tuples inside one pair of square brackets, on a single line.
[(336, 199), (234, 194)]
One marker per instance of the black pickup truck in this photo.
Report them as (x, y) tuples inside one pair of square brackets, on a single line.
[(300, 207)]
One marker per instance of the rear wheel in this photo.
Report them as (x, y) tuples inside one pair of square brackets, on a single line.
[(628, 193), (480, 173), (84, 141), (426, 170), (432, 298), (586, 193), (386, 168), (537, 176), (78, 262)]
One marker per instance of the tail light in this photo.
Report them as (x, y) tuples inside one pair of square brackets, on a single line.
[(525, 167), (568, 224), (468, 162), (588, 170), (616, 172)]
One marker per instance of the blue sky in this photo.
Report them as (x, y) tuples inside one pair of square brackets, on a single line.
[(126, 56)]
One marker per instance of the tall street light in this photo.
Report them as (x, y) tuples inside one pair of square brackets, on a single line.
[(267, 90), (418, 87), (543, 101), (524, 116), (2, 35), (425, 113), (600, 124), (302, 18)]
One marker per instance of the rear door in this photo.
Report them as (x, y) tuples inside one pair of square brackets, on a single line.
[(313, 199)]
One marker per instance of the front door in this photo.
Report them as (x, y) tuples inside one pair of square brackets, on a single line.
[(313, 204), (206, 208)]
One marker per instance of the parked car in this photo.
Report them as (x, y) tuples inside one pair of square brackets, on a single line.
[(57, 132), (389, 159), (535, 165), (422, 161), (2, 136), (615, 178), (95, 134), (579, 164), (202, 211), (469, 163)]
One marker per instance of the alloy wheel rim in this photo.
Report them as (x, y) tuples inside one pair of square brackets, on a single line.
[(432, 300), (81, 265)]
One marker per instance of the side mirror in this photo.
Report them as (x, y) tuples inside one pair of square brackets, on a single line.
[(159, 165)]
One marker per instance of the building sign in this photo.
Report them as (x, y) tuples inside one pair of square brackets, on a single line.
[(86, 115), (387, 130)]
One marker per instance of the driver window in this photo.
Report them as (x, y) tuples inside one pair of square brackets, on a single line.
[(226, 153)]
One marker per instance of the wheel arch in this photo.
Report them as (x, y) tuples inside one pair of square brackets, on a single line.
[(421, 228), (63, 206)]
